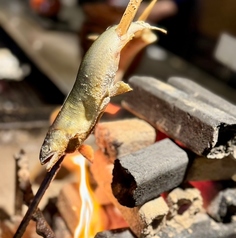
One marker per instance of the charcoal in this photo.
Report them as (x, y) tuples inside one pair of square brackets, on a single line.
[(203, 226), (145, 174), (184, 203), (223, 206), (202, 128), (147, 218), (203, 169), (120, 137), (202, 94)]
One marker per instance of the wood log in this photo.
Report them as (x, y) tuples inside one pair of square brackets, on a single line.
[(69, 205), (142, 220), (61, 230), (205, 130), (115, 219), (101, 196), (10, 227), (121, 137), (5, 231)]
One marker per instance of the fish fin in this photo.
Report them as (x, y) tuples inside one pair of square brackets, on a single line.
[(119, 88), (87, 152)]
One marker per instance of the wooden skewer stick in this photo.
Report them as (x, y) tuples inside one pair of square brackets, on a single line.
[(141, 39), (34, 204), (128, 17), (147, 11)]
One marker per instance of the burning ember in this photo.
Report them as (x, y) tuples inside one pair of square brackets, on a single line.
[(112, 108)]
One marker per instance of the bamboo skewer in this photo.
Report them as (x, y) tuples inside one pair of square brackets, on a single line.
[(128, 17)]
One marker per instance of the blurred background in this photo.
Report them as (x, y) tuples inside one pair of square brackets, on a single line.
[(42, 43)]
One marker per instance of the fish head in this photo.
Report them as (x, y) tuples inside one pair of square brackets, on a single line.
[(53, 147)]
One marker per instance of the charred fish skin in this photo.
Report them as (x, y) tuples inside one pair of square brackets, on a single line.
[(90, 94)]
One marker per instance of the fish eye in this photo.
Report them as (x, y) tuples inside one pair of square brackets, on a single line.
[(46, 148)]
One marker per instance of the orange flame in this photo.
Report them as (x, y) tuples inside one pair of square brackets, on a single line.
[(90, 221)]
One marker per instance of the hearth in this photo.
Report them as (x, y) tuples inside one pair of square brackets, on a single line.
[(163, 166), (177, 185)]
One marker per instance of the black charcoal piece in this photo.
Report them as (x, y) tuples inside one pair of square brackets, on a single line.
[(203, 169), (223, 206), (145, 174), (202, 94), (200, 127)]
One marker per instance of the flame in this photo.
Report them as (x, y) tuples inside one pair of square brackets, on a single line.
[(90, 221)]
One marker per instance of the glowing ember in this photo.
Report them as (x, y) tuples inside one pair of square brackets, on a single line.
[(90, 220), (112, 108)]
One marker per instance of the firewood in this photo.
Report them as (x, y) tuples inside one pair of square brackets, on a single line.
[(200, 127), (18, 191), (61, 230), (115, 219), (69, 205), (5, 231), (143, 219), (122, 137), (101, 196), (145, 174), (34, 213)]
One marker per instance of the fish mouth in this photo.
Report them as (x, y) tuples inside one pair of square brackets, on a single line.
[(46, 159), (51, 160)]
